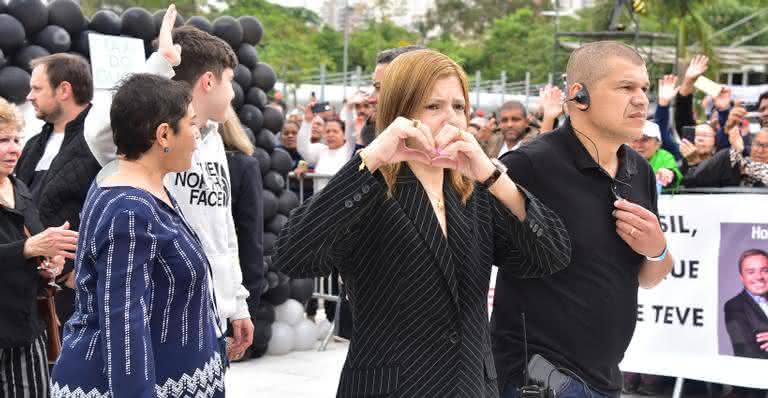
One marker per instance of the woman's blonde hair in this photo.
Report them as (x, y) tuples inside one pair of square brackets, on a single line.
[(233, 135), (10, 115), (406, 87)]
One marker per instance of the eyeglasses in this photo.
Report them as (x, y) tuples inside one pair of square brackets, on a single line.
[(760, 145)]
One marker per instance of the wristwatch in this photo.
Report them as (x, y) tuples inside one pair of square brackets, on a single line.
[(500, 169)]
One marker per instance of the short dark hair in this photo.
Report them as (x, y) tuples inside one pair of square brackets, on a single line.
[(337, 120), (588, 63), (750, 253), (201, 52), (514, 105), (71, 68), (389, 55), (763, 97), (143, 102)]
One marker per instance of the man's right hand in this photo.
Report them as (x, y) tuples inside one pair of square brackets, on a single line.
[(171, 52), (696, 68)]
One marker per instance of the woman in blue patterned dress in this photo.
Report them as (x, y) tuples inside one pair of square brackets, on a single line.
[(145, 319)]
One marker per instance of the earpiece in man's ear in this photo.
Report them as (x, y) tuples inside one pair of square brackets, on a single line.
[(582, 97)]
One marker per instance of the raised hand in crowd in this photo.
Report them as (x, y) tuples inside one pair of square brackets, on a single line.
[(665, 176), (551, 104), (735, 138), (723, 100), (486, 132), (53, 242), (171, 52), (688, 150), (667, 90), (698, 66), (735, 117)]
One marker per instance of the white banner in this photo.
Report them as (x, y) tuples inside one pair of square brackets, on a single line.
[(113, 58), (681, 328)]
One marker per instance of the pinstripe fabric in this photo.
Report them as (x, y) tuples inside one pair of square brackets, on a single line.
[(24, 370), (418, 299)]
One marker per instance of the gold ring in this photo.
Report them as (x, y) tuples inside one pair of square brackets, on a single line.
[(632, 233), (416, 123)]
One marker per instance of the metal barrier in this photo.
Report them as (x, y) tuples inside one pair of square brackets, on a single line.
[(323, 290)]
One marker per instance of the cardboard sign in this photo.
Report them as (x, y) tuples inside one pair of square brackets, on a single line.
[(113, 58)]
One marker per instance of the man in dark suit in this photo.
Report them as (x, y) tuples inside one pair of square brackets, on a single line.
[(746, 314), (57, 164)]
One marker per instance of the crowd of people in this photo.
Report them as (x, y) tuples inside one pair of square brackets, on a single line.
[(143, 207)]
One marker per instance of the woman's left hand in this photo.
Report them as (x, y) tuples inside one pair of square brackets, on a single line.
[(459, 150)]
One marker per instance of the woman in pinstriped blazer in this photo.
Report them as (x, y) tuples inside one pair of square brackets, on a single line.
[(413, 224)]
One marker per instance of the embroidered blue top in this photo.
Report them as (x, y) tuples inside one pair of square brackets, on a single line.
[(144, 319)]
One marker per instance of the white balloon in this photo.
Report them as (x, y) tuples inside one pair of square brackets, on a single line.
[(306, 335), (323, 326), (290, 312), (282, 339)]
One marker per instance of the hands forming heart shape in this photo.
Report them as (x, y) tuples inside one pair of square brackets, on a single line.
[(411, 140)]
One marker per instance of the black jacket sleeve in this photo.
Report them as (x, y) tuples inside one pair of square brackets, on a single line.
[(248, 214), (714, 172), (683, 112), (322, 230)]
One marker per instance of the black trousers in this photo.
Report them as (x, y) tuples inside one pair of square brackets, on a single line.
[(24, 370)]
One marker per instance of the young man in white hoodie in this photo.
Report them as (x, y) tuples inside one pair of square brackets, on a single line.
[(203, 192)]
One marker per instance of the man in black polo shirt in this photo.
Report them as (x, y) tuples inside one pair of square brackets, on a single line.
[(582, 319)]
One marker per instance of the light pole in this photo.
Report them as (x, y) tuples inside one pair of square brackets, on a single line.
[(346, 45)]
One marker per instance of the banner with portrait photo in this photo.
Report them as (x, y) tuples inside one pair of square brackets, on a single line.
[(683, 328)]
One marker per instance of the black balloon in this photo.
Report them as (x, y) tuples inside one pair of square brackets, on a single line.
[(302, 289), (269, 203), (243, 76), (263, 157), (248, 56), (258, 351), (14, 87), (281, 161), (239, 98), (82, 45), (262, 330), (106, 22), (252, 29), (229, 30), (12, 33), (280, 293), (287, 201), (272, 279), (157, 18), (67, 14), (31, 13), (269, 243), (276, 224), (273, 119), (137, 22), (248, 133), (274, 182), (27, 54), (256, 96), (264, 77), (251, 116), (55, 39), (201, 23), (266, 140)]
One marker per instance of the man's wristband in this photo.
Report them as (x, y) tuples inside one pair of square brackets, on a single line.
[(661, 257)]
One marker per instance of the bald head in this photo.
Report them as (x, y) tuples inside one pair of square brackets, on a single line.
[(588, 63)]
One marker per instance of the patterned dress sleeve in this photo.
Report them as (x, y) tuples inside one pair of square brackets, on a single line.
[(125, 254)]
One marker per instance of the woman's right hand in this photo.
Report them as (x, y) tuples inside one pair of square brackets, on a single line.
[(390, 147), (54, 241)]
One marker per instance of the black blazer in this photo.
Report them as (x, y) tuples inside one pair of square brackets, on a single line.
[(744, 319), (20, 322), (419, 302), (248, 214)]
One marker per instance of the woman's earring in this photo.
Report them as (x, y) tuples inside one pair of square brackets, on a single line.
[(166, 149)]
